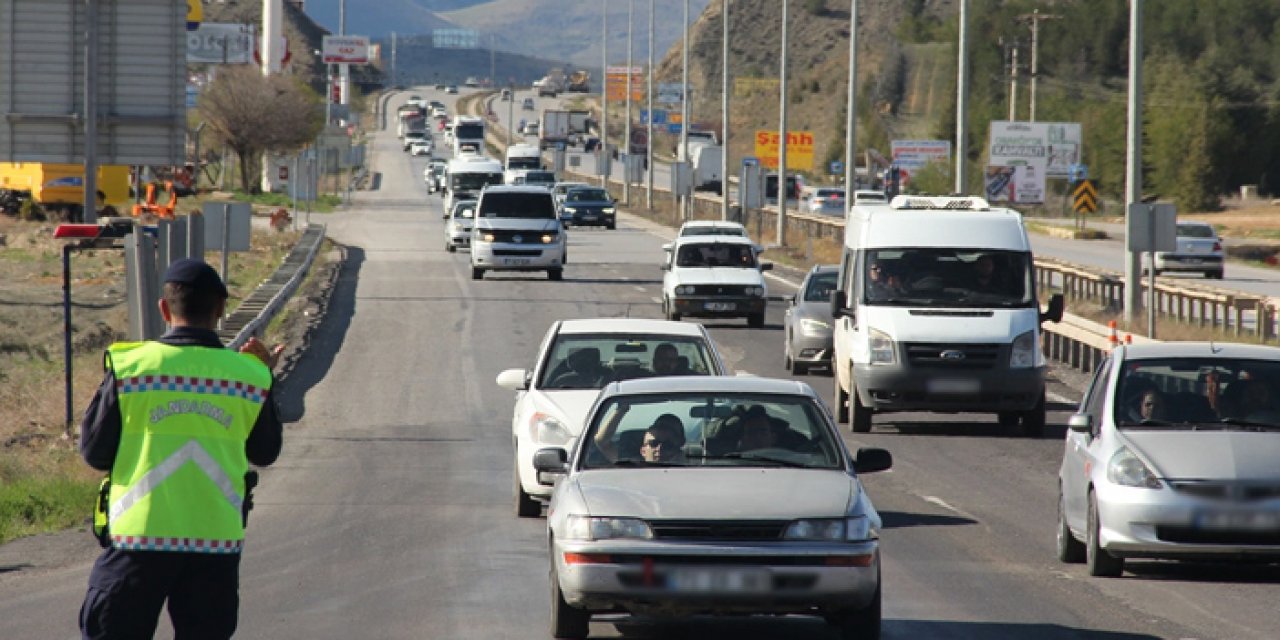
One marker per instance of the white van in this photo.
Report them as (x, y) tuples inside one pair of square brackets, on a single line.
[(467, 131), (466, 176), (517, 229), (936, 310)]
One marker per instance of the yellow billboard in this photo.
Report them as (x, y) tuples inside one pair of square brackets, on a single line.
[(799, 149)]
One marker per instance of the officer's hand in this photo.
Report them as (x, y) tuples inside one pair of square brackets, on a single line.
[(256, 348)]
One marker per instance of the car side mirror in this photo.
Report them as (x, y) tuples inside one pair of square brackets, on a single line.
[(838, 304), (514, 379), (665, 267), (766, 266), (1080, 423), (551, 461), (872, 459), (667, 247), (1057, 306)]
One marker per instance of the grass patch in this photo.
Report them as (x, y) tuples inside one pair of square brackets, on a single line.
[(324, 203), (46, 494)]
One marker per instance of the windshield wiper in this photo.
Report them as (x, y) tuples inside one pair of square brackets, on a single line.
[(752, 457)]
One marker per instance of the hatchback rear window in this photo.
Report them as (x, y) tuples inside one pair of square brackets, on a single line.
[(517, 205), (1195, 231)]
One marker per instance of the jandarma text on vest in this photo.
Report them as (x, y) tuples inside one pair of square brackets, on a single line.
[(204, 408)]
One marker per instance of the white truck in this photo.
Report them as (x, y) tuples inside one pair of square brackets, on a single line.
[(467, 131), (467, 176), (555, 128), (707, 164), (936, 309)]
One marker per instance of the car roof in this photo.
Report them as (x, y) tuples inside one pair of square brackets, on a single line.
[(683, 240), (708, 384), (515, 188), (1180, 349), (630, 325), (825, 268), (711, 224)]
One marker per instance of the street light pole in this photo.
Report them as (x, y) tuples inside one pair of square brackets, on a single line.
[(724, 110), (962, 95), (782, 136), (1133, 164), (603, 151), (648, 163), (851, 125), (683, 155), (626, 166)]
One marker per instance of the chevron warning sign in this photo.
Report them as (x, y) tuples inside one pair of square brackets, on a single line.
[(1085, 197)]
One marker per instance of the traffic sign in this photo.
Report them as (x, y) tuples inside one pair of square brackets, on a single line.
[(1085, 197), (837, 167), (1077, 172), (674, 127), (750, 162), (345, 50), (659, 116)]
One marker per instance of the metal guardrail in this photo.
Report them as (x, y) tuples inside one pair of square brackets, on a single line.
[(260, 308)]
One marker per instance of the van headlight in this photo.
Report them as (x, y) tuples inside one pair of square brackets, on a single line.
[(1023, 353), (854, 529), (1128, 470), (684, 290), (487, 237), (881, 347), (548, 238), (579, 527), (548, 430)]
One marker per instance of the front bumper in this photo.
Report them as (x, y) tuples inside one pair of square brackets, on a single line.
[(811, 349), (690, 578), (460, 238), (719, 306), (588, 217), (900, 387), (517, 257), (1161, 523)]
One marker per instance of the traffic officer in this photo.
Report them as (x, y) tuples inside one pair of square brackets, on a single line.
[(176, 422)]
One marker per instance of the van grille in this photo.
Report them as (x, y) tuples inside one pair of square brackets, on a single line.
[(938, 355), (507, 236), (518, 253)]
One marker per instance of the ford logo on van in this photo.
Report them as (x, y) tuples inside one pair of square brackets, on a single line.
[(517, 239), (952, 354)]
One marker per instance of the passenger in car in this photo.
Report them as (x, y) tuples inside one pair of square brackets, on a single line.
[(585, 371), (1147, 405), (663, 441), (667, 361)]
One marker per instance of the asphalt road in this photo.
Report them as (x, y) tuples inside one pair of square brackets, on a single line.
[(389, 514)]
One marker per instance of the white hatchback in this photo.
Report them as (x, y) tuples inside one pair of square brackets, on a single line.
[(578, 358)]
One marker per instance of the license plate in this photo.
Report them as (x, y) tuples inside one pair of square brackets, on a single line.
[(952, 386), (515, 262), (1239, 520), (720, 306), (588, 217), (717, 580)]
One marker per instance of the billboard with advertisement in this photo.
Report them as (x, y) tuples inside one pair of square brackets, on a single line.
[(1021, 182), (913, 155), (220, 43), (616, 83), (799, 149), (345, 50), (1057, 143)]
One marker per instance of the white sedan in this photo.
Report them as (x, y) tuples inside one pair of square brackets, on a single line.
[(578, 358)]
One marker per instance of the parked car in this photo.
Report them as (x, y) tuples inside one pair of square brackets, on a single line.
[(593, 206), (457, 229), (578, 358), (1173, 454), (714, 277), (1199, 250), (807, 323), (712, 495)]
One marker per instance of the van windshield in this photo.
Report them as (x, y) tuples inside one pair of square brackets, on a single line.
[(523, 162), (469, 131), (474, 181), (518, 205), (948, 277)]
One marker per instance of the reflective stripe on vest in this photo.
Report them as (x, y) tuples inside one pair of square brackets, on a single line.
[(191, 451)]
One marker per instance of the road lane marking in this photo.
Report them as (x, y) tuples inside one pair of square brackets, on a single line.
[(934, 500), (640, 289)]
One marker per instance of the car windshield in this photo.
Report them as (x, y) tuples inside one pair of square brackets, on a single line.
[(469, 131), (590, 361), (540, 177), (716, 255), (474, 181), (1195, 231), (948, 277), (587, 195), (711, 430), (820, 287), (714, 231), (518, 205), (1199, 392)]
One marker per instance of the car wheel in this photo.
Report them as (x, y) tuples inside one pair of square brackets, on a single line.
[(477, 273), (756, 320), (1033, 421), (860, 418), (670, 310), (448, 246), (839, 399), (1099, 562), (526, 505), (611, 226), (1008, 418), (1070, 550), (555, 274), (860, 624), (1215, 275), (567, 622)]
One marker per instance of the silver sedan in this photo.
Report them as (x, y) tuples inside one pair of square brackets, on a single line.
[(712, 495), (1173, 454), (807, 323)]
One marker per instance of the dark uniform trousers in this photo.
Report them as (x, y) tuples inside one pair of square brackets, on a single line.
[(127, 589)]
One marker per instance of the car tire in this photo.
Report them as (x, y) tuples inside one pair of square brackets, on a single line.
[(839, 399), (756, 320), (567, 622), (1214, 275), (860, 624), (526, 505), (1008, 418), (611, 226), (555, 274), (1070, 550), (859, 414), (1033, 421), (477, 273), (669, 311), (448, 246), (1097, 560)]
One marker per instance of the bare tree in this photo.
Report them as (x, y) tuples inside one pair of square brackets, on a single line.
[(252, 113)]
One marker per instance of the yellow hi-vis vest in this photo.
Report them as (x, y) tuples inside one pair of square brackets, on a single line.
[(177, 483)]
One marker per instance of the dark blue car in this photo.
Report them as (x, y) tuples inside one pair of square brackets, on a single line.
[(584, 206)]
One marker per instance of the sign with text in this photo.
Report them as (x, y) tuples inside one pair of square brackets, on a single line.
[(914, 155), (746, 87), (220, 43), (345, 50), (1056, 143), (799, 149), (670, 93), (616, 83), (1019, 183)]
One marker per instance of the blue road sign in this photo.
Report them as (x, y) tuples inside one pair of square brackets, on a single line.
[(750, 162), (837, 167), (673, 127), (1077, 172), (659, 116)]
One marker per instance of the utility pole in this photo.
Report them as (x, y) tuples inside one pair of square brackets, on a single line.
[(395, 77), (1013, 82), (493, 66), (782, 137), (724, 110), (962, 95), (1035, 18), (90, 213), (851, 126), (626, 166), (603, 151), (683, 155), (1133, 164), (344, 69), (648, 163)]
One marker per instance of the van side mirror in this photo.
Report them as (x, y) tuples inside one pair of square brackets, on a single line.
[(1080, 423), (839, 306), (1057, 306)]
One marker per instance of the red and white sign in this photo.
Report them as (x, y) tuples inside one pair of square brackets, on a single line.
[(346, 50), (284, 46)]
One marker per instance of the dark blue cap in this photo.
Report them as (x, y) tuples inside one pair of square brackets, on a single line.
[(195, 273)]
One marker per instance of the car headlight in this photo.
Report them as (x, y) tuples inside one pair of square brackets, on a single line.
[(602, 528), (487, 237), (811, 326), (755, 291), (1023, 353), (829, 529), (607, 209), (548, 430), (570, 210), (548, 238), (881, 347), (1127, 470), (684, 290)]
